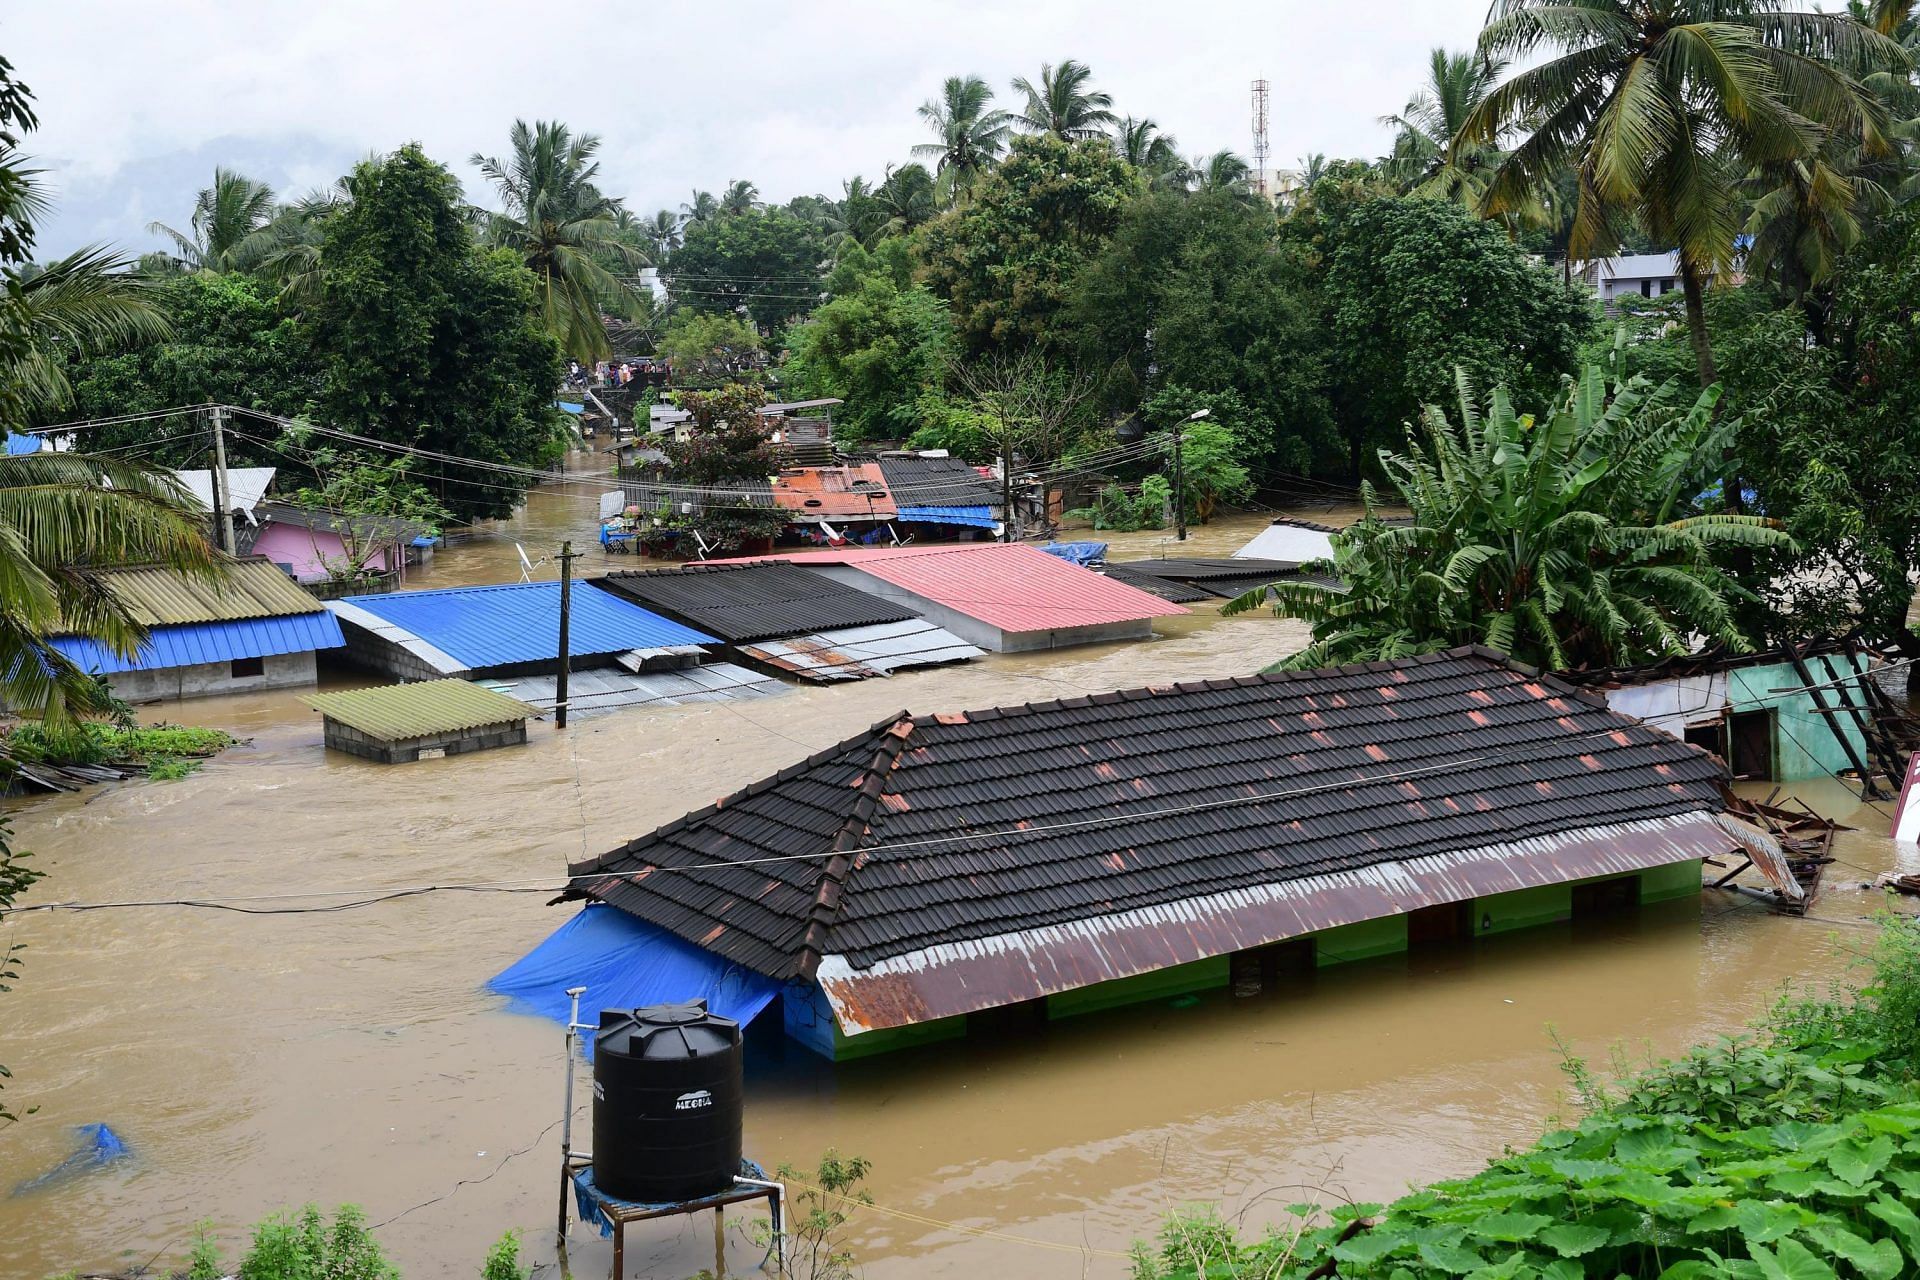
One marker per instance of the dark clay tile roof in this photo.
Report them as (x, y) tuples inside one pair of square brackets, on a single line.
[(758, 601), (949, 829)]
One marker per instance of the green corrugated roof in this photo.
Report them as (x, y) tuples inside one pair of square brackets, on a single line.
[(397, 711), (254, 587)]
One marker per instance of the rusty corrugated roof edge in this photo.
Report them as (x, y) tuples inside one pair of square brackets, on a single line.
[(1766, 853), (963, 977)]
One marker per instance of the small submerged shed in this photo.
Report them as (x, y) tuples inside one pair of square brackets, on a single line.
[(790, 618), (402, 723), (1070, 856), (252, 629), (1003, 597)]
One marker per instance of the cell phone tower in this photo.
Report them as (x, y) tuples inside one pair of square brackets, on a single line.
[(1260, 137)]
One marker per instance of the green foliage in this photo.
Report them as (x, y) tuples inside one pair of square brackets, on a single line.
[(880, 346), (430, 342), (1416, 289), (729, 443), (232, 343), (503, 1260), (303, 1246), (1122, 512), (1794, 1153), (203, 1261), (1007, 260), (90, 742), (1194, 293), (962, 429), (702, 344), (764, 260), (827, 1197), (1564, 543)]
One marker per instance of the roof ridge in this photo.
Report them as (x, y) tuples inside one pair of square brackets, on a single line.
[(846, 841)]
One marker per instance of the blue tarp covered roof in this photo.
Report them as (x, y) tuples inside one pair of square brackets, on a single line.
[(625, 963), (18, 444), (1077, 552), (972, 517), (519, 622), (197, 642)]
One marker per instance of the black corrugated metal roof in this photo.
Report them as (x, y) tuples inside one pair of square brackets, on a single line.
[(1187, 581), (1166, 588), (911, 835), (761, 601), (937, 482), (1200, 568)]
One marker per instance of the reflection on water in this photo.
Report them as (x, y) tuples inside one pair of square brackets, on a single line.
[(253, 1061)]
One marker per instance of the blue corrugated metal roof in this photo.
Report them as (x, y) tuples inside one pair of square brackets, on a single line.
[(519, 622), (972, 517), (186, 645)]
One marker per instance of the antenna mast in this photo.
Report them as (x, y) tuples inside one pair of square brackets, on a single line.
[(1260, 138)]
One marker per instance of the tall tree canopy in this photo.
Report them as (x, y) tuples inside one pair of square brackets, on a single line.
[(970, 134), (765, 260), (432, 343), (1063, 103), (1007, 260)]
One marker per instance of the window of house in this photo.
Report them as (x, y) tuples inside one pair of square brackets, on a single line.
[(1646, 288), (244, 667), (1666, 286)]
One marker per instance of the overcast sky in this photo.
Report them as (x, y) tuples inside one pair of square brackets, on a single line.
[(138, 103)]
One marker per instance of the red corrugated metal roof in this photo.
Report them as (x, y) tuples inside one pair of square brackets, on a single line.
[(834, 493), (1009, 585)]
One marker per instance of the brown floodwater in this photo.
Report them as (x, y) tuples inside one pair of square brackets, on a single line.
[(256, 1061)]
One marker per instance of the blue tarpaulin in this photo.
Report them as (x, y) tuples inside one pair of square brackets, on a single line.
[(196, 642), (1077, 552), (625, 963), (591, 1203), (971, 517), (18, 444), (94, 1145), (569, 406)]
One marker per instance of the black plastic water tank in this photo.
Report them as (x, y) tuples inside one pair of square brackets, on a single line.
[(667, 1102)]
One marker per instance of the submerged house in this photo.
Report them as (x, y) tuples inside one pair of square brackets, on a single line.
[(318, 546), (941, 493), (255, 630), (944, 873), (1005, 597), (790, 618), (1760, 712), (509, 636)]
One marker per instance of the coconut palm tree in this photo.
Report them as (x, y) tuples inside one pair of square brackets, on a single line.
[(1062, 104), (1661, 107), (1424, 161), (90, 303), (231, 226), (662, 231), (702, 208), (1154, 153), (563, 227), (1223, 172), (740, 197), (971, 135), (1565, 543), (906, 199)]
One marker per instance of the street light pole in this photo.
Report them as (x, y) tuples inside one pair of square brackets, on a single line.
[(1180, 474)]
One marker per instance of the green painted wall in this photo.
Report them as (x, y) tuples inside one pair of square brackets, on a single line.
[(1803, 745), (1678, 880), (846, 1048), (1360, 941), (1201, 975), (1522, 909)]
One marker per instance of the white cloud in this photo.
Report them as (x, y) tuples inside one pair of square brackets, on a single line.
[(139, 102)]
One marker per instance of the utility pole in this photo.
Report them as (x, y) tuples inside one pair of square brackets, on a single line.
[(566, 606), (222, 491), (1179, 483), (1006, 489)]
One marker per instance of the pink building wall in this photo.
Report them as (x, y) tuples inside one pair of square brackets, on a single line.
[(308, 550)]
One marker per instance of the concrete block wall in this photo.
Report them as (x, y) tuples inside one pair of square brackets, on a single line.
[(206, 679), (344, 737)]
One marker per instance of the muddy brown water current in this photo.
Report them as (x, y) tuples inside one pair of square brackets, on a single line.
[(256, 1061)]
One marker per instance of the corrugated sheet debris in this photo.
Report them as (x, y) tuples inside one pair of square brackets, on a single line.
[(855, 653)]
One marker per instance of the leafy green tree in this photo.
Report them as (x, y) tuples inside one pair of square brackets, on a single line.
[(1062, 104), (1565, 543), (766, 261), (1007, 261), (231, 229), (231, 343), (562, 226), (970, 133), (907, 199), (880, 346), (729, 444), (432, 344), (1662, 108), (1210, 470), (1194, 293), (703, 344), (1415, 288)]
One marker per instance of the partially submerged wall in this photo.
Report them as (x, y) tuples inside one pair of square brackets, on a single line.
[(207, 679), (344, 737)]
